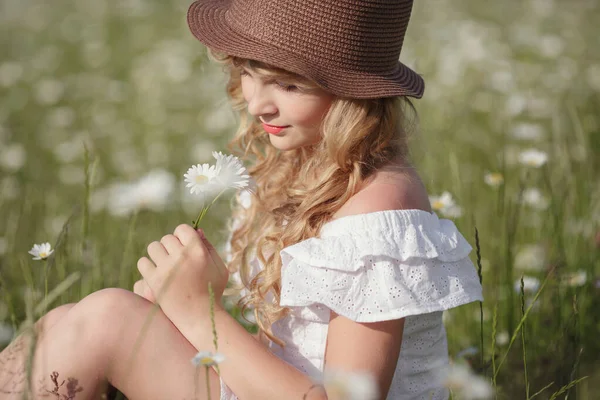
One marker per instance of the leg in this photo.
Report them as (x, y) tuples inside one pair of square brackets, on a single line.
[(13, 358), (97, 342)]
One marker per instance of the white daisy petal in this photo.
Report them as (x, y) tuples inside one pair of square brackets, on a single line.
[(207, 359), (533, 158), (231, 173), (41, 251)]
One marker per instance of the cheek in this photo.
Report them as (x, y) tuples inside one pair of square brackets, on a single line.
[(246, 88), (312, 113)]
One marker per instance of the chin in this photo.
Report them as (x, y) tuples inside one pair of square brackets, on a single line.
[(283, 144)]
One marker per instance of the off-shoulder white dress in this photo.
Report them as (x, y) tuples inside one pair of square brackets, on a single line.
[(375, 267)]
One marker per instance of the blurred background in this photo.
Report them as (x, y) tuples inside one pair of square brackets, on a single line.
[(104, 105)]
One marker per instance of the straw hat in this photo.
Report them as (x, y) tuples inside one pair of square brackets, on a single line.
[(348, 47)]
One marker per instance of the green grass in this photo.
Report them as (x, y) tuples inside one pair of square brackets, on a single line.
[(95, 93)]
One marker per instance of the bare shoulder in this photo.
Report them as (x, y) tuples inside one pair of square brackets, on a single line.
[(392, 189)]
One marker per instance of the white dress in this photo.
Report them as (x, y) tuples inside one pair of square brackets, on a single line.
[(375, 267)]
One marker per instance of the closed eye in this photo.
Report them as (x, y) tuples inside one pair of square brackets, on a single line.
[(286, 87)]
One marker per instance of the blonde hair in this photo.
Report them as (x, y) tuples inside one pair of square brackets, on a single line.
[(291, 202)]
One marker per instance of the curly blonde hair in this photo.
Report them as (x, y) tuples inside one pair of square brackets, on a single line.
[(291, 202)]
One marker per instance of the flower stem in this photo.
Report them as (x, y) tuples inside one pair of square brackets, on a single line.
[(204, 210), (207, 384)]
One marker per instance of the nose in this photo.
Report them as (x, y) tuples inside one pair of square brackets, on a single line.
[(260, 101)]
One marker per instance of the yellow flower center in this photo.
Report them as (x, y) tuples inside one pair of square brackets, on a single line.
[(206, 360), (437, 205), (496, 178), (43, 254), (200, 179)]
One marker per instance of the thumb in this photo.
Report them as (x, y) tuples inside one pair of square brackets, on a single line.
[(205, 240)]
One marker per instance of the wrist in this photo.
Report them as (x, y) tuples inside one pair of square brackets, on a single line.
[(197, 323)]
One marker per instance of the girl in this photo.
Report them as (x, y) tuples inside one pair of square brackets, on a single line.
[(337, 249)]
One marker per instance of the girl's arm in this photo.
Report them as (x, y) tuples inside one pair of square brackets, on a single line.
[(249, 369)]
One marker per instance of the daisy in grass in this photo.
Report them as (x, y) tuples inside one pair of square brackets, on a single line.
[(41, 251), (461, 380), (533, 158), (446, 205), (213, 180), (207, 359), (341, 385), (493, 179)]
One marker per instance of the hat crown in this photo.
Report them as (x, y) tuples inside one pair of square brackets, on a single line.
[(361, 35)]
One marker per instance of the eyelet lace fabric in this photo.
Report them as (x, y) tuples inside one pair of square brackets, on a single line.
[(374, 267)]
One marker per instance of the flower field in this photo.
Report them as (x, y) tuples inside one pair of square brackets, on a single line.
[(104, 105)]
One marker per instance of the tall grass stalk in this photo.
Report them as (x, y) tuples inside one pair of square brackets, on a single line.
[(521, 322), (523, 338), (479, 271), (494, 330)]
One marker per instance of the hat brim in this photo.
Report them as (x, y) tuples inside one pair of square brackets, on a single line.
[(207, 22)]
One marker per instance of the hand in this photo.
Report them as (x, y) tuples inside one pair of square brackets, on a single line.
[(142, 289), (178, 272)]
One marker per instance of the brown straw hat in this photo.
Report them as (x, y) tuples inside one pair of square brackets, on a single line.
[(348, 47)]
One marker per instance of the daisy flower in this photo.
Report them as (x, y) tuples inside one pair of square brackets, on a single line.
[(230, 171), (461, 380), (534, 198), (200, 179), (493, 179), (530, 284), (533, 158), (446, 205), (341, 385), (207, 359), (41, 251), (210, 180)]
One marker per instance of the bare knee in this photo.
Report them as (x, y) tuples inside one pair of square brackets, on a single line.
[(52, 318), (105, 314)]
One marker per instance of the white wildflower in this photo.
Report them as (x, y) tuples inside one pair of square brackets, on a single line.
[(150, 192), (493, 179), (41, 251), (551, 46), (462, 381), (530, 284), (49, 91), (533, 197), (446, 205), (207, 359), (533, 158), (10, 73), (531, 258), (209, 180), (502, 338), (575, 279), (13, 156), (200, 179), (231, 173), (342, 385)]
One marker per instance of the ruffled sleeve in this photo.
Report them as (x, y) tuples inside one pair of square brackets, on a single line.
[(381, 266)]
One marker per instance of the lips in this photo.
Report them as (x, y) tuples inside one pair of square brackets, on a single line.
[(273, 129)]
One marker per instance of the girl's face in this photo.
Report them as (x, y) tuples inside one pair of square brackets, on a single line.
[(290, 111)]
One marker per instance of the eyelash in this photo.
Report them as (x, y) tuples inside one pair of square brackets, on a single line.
[(283, 86)]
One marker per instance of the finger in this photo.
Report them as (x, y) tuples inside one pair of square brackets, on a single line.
[(146, 268), (171, 243), (186, 234), (138, 288), (157, 251)]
